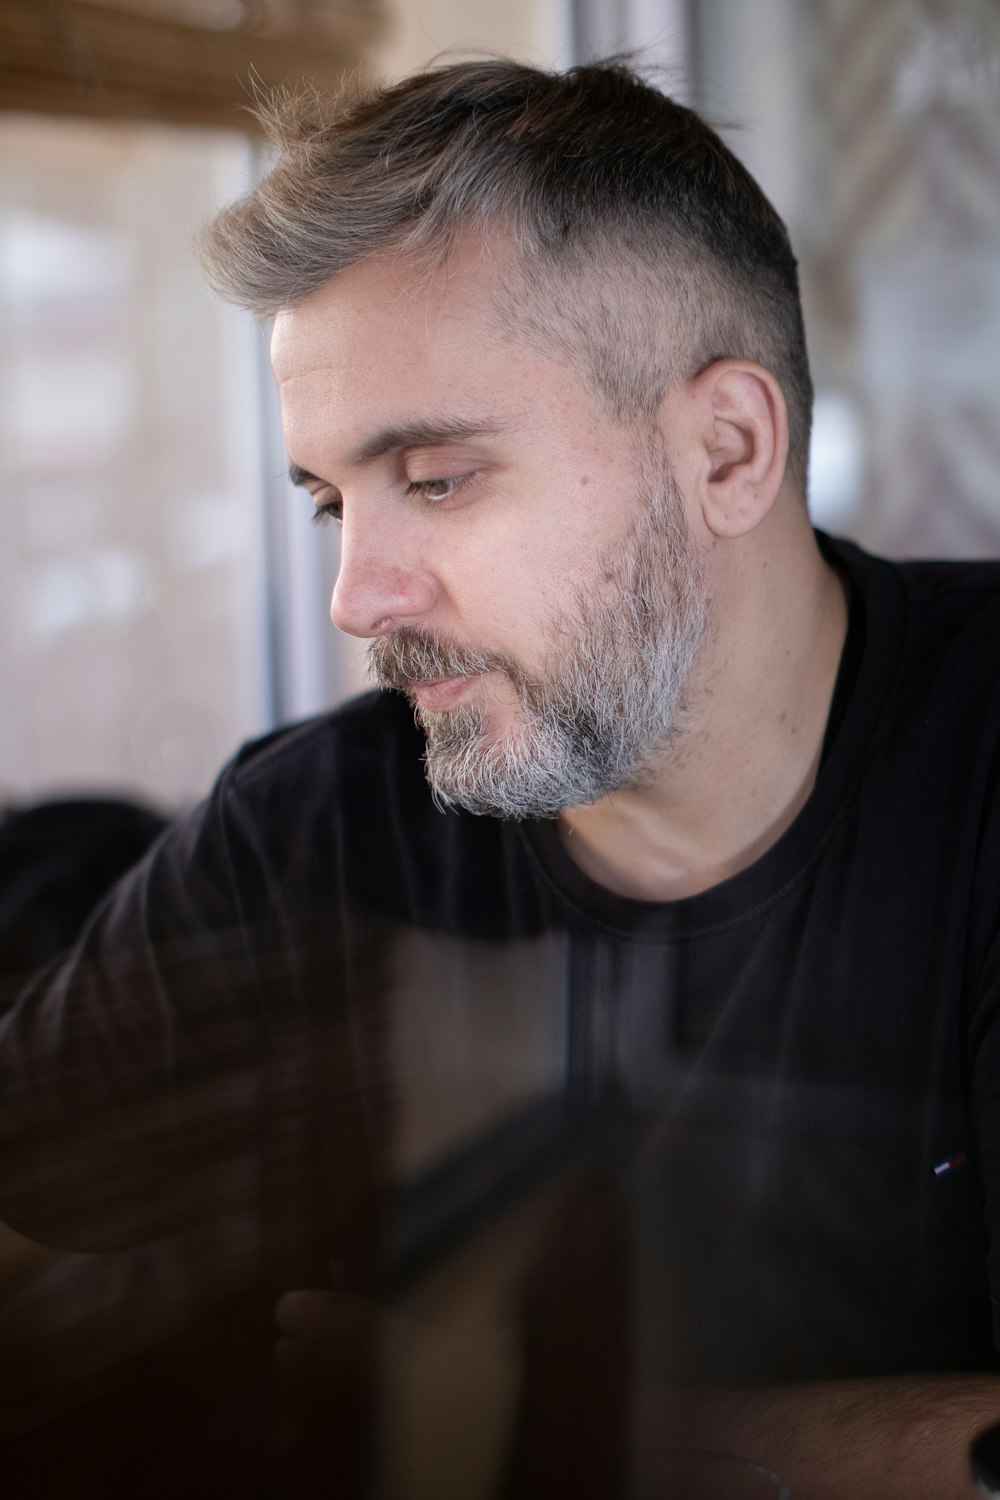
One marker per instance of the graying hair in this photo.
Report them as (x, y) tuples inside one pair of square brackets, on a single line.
[(644, 250)]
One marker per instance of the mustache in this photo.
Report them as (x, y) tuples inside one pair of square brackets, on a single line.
[(408, 657)]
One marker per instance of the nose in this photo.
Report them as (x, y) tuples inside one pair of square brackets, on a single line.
[(378, 589)]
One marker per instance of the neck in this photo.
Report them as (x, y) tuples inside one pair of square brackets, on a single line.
[(745, 758)]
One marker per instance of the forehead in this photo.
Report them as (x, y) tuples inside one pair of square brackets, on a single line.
[(389, 307), (394, 341)]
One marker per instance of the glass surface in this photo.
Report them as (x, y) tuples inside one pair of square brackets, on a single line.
[(695, 1474)]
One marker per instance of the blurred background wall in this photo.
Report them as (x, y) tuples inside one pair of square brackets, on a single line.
[(162, 595)]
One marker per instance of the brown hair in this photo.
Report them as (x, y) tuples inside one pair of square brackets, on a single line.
[(645, 250)]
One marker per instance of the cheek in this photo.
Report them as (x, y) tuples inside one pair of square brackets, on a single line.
[(514, 571), (497, 569)]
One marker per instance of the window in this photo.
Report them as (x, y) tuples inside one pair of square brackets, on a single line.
[(130, 543)]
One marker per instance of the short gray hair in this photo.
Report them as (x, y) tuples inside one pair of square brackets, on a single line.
[(645, 251)]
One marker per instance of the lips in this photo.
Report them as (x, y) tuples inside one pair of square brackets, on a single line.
[(439, 693)]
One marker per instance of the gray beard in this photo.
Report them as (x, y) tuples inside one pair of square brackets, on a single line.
[(605, 703)]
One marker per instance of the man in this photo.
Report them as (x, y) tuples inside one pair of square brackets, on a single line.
[(707, 795)]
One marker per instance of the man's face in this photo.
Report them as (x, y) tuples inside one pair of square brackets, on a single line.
[(519, 561)]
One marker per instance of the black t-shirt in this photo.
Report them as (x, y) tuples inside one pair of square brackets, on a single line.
[(326, 1001)]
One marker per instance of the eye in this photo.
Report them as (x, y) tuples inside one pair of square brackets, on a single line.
[(328, 510), (436, 489)]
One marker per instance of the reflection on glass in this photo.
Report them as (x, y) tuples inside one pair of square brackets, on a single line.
[(692, 1474)]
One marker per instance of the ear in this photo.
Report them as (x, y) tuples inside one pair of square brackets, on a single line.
[(741, 444)]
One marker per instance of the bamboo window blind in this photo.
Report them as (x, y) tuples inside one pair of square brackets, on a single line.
[(193, 62)]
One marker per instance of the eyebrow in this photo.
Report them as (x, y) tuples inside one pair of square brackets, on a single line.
[(407, 435), (298, 475)]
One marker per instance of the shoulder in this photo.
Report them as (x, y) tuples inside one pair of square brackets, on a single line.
[(941, 608), (367, 732), (339, 809), (274, 825), (303, 794), (922, 582), (341, 765)]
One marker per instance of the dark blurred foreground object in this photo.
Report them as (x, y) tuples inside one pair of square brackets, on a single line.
[(984, 1460), (699, 1474), (75, 1424), (572, 1438), (57, 860)]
